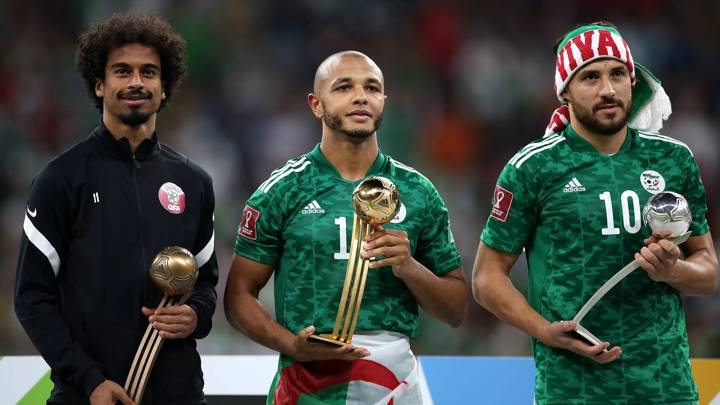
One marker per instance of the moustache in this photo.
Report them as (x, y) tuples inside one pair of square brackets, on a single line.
[(134, 94), (609, 102)]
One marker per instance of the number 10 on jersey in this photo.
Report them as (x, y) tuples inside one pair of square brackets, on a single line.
[(627, 198)]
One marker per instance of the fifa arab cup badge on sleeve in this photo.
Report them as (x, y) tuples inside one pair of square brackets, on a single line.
[(174, 271), (663, 212), (376, 201)]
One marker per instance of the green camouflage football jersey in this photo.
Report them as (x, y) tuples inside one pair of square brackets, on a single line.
[(300, 222), (577, 214)]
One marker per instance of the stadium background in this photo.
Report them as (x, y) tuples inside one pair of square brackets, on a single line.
[(468, 84)]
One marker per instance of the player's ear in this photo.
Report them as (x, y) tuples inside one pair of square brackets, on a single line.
[(99, 88), (315, 105)]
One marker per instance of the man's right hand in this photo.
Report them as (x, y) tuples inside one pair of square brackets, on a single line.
[(561, 335), (305, 350), (109, 392)]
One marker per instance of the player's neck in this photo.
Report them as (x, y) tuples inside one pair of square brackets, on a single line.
[(351, 157), (605, 144), (134, 135)]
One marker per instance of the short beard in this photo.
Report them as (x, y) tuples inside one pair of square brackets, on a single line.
[(594, 125), (335, 122), (135, 118)]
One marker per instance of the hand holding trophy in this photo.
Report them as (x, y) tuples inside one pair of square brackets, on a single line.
[(173, 270), (664, 212), (376, 201)]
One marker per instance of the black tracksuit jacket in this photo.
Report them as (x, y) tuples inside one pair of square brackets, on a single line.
[(93, 223)]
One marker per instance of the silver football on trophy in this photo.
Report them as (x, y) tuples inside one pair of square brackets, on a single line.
[(667, 211)]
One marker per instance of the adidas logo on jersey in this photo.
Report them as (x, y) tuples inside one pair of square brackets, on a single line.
[(313, 208), (573, 186)]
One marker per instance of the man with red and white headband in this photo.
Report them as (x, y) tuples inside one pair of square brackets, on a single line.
[(572, 201)]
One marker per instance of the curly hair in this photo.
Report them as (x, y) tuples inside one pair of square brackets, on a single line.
[(94, 45)]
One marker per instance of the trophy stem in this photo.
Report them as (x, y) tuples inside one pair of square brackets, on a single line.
[(147, 353), (363, 276), (348, 275), (143, 380), (357, 270), (138, 385), (609, 284), (619, 276), (141, 351)]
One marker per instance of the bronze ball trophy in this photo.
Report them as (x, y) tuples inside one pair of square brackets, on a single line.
[(174, 271)]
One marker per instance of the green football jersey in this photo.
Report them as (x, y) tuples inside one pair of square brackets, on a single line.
[(300, 222), (577, 214)]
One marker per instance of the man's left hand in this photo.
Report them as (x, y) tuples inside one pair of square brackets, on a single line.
[(173, 322), (394, 246), (658, 257)]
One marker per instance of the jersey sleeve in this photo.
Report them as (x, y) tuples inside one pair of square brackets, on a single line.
[(694, 193), (203, 298), (46, 230), (513, 210), (259, 236), (436, 246)]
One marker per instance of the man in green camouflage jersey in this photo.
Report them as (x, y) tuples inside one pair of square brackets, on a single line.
[(573, 202), (297, 226)]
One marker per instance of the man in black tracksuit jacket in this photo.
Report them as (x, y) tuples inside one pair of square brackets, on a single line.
[(97, 215)]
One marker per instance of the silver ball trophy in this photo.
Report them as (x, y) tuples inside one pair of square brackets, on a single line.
[(667, 212), (664, 212)]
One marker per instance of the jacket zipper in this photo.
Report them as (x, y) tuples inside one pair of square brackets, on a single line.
[(135, 168)]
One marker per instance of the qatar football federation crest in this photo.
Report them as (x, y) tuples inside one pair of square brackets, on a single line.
[(172, 198)]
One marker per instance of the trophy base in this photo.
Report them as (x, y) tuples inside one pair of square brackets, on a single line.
[(327, 339)]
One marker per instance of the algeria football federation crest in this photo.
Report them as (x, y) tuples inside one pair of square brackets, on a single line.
[(400, 215), (172, 198), (652, 181)]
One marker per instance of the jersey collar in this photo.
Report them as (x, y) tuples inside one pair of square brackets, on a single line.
[(324, 165), (580, 144), (120, 148)]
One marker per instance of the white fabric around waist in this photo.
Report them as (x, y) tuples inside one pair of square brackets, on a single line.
[(392, 351)]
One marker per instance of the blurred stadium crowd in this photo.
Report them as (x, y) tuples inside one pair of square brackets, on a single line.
[(468, 84)]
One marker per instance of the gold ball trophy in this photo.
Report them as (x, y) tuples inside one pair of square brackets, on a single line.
[(174, 271), (376, 201), (664, 212)]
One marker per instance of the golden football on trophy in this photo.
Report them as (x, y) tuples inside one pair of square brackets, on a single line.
[(376, 200), (174, 270)]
